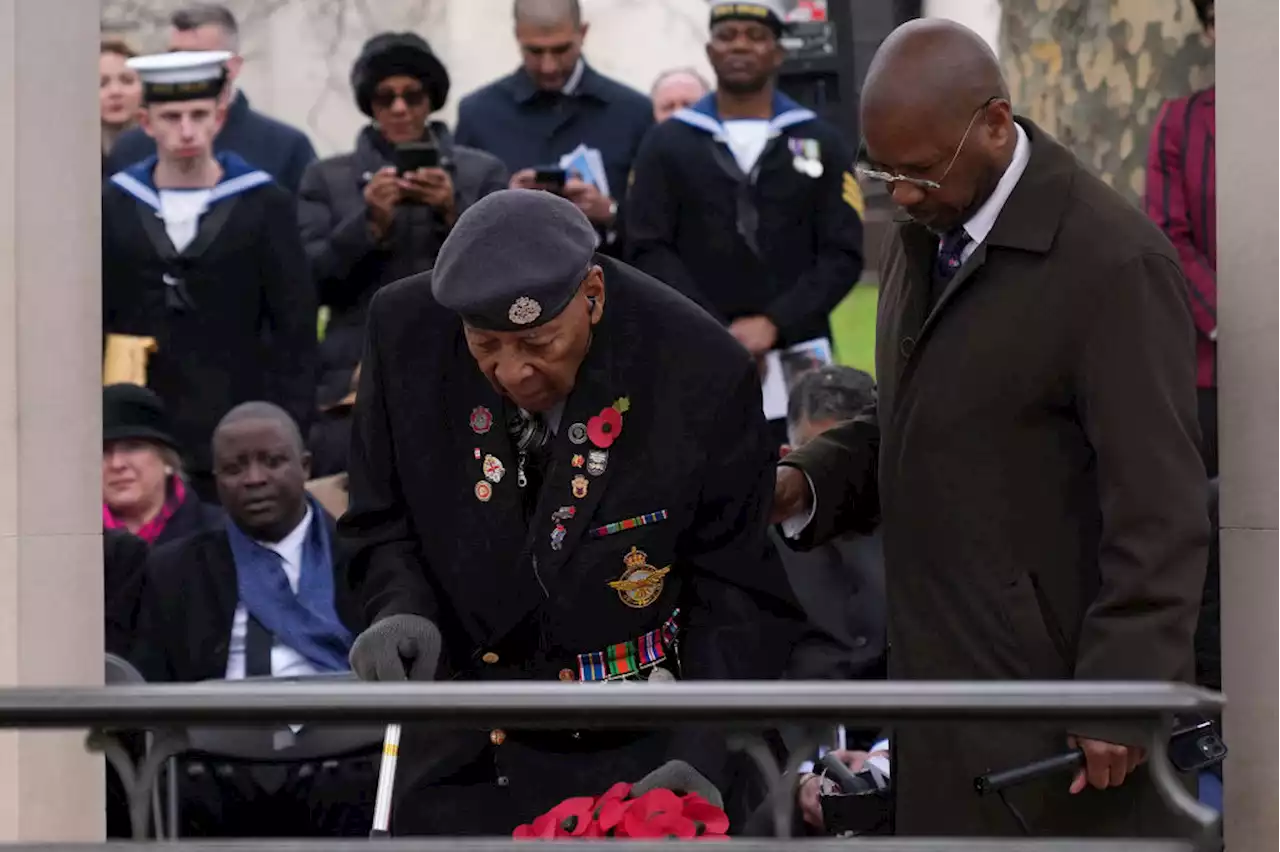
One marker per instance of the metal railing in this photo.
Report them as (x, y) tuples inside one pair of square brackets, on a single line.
[(741, 709)]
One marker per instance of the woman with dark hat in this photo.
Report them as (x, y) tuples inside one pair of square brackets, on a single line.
[(381, 212), (143, 491)]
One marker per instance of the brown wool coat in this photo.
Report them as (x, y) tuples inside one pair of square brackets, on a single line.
[(1033, 464)]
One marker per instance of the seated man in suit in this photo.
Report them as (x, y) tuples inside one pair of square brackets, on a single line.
[(252, 599)]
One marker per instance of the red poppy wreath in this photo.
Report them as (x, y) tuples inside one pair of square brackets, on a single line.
[(659, 814)]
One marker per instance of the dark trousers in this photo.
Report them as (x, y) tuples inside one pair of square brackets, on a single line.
[(330, 799), (1207, 408)]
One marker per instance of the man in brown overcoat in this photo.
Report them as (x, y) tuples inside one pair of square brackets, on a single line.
[(1033, 457)]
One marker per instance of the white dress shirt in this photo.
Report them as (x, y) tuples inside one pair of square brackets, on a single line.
[(978, 228), (285, 661)]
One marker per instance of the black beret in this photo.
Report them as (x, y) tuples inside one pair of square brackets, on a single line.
[(388, 54), (513, 260)]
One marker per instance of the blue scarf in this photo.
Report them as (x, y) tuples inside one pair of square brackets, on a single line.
[(307, 621)]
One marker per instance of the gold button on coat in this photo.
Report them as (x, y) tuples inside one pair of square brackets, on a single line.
[(490, 657), (497, 736), (566, 675)]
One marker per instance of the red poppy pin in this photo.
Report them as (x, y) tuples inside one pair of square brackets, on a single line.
[(604, 428)]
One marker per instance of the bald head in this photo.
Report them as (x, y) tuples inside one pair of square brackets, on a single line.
[(935, 65), (936, 121), (263, 411), (547, 14)]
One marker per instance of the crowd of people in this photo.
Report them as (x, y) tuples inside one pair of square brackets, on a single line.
[(527, 441)]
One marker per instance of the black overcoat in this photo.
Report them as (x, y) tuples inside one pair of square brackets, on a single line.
[(1043, 501), (693, 445)]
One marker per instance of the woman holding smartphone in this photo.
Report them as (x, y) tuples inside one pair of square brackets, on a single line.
[(381, 212)]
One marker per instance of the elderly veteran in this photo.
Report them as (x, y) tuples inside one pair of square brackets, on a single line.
[(559, 471)]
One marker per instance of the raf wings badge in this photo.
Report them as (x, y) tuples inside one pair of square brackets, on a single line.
[(641, 583)]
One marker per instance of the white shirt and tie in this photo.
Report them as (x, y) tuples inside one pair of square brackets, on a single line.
[(978, 227), (285, 661)]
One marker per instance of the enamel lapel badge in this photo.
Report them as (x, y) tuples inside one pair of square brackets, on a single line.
[(481, 420), (493, 469)]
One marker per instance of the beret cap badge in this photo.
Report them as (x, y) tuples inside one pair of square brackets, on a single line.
[(524, 311)]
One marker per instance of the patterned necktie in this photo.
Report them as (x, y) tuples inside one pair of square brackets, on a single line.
[(951, 253)]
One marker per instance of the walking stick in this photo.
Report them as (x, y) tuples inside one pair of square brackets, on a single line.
[(386, 783)]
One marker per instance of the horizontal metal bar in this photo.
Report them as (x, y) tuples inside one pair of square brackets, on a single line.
[(556, 705), (459, 844)]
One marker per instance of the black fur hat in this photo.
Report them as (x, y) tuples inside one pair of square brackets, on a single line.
[(388, 54)]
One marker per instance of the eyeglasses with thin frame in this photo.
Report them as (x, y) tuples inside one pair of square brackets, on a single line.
[(871, 173)]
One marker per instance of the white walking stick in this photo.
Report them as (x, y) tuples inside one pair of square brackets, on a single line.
[(386, 783)]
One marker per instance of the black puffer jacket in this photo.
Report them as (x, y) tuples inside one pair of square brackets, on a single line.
[(347, 265)]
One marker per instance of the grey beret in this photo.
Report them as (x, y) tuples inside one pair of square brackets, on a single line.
[(514, 260)]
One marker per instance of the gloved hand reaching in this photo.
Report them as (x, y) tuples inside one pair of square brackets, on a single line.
[(680, 778), (397, 647)]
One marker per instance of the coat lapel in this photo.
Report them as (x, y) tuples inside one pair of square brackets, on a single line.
[(493, 528), (962, 277), (153, 227), (211, 224), (920, 247), (574, 482)]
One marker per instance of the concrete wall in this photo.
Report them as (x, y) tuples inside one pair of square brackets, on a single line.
[(50, 414)]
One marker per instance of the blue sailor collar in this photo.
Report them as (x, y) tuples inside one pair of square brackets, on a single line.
[(703, 115), (237, 177)]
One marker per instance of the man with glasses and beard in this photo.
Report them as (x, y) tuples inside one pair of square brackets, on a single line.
[(1032, 459), (746, 202)]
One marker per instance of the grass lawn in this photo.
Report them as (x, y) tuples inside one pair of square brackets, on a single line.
[(853, 325)]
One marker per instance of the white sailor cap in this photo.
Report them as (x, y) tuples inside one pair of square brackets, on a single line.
[(186, 75)]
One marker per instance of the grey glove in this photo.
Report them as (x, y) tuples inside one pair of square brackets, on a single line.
[(397, 647), (680, 778)]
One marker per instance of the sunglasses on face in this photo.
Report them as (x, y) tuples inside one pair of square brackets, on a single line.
[(386, 99), (870, 172)]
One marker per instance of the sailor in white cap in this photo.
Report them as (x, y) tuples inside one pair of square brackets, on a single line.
[(746, 201), (201, 252)]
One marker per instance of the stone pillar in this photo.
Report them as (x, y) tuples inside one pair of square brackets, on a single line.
[(1248, 260), (1094, 72), (50, 416)]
